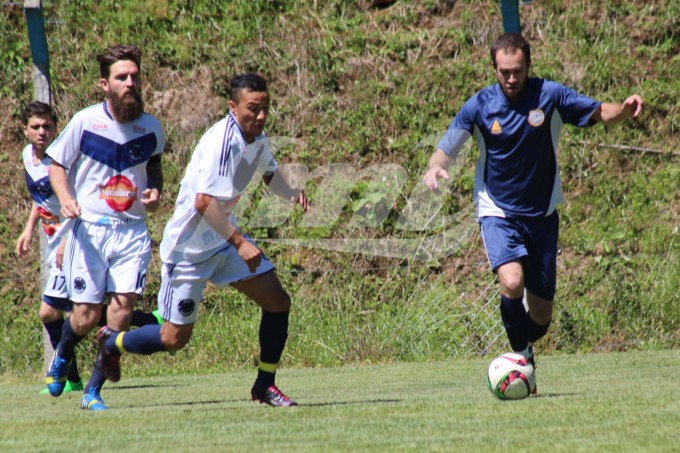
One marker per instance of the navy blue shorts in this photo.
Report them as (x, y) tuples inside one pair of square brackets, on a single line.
[(532, 241), (60, 303)]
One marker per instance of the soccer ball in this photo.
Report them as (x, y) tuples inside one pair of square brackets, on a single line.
[(511, 377)]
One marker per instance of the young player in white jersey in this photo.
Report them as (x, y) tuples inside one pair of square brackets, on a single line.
[(39, 122), (517, 124), (202, 242), (112, 153)]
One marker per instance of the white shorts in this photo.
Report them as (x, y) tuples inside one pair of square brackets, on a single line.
[(182, 284), (55, 293), (101, 259)]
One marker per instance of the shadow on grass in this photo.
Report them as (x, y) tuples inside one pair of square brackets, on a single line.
[(135, 387), (555, 395), (348, 403), (214, 402), (183, 404)]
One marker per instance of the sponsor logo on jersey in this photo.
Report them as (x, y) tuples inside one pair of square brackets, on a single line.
[(536, 117), (138, 129), (119, 193), (496, 128), (186, 307), (100, 127), (79, 285), (50, 222)]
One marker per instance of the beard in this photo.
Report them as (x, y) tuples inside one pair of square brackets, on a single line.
[(515, 95), (128, 107)]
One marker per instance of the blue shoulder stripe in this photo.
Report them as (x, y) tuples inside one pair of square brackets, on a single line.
[(226, 145)]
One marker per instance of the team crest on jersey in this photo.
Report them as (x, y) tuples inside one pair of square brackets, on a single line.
[(119, 193), (43, 188), (186, 307), (136, 151), (536, 117), (79, 285), (496, 128)]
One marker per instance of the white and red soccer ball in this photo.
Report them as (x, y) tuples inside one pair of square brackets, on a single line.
[(511, 377)]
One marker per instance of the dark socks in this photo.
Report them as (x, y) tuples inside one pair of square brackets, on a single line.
[(69, 340), (516, 321), (537, 331), (273, 336), (144, 340), (140, 318), (54, 329), (97, 380)]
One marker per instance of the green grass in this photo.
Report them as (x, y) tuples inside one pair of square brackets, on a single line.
[(592, 402)]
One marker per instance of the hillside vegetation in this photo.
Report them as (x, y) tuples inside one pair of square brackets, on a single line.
[(370, 84)]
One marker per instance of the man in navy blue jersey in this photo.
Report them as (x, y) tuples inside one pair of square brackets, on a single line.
[(517, 123)]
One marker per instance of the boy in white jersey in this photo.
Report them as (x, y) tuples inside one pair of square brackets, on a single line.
[(517, 124), (39, 123), (202, 243), (112, 152)]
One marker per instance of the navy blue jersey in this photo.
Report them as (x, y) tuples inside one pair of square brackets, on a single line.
[(517, 173)]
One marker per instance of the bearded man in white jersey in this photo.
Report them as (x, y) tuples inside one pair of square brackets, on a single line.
[(202, 242), (112, 151)]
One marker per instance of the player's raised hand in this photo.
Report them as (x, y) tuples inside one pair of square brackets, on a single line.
[(150, 199), (301, 199), (70, 209), (434, 173)]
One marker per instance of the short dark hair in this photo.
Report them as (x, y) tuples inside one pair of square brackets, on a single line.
[(117, 53), (511, 41), (248, 81), (37, 108)]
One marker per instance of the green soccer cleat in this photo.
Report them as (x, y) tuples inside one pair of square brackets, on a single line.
[(73, 386), (158, 316)]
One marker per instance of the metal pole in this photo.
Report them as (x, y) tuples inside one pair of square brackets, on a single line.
[(41, 92), (510, 11)]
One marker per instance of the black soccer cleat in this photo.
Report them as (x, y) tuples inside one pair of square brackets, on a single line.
[(532, 361), (272, 396)]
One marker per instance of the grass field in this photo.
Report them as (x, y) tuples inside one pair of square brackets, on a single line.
[(591, 402)]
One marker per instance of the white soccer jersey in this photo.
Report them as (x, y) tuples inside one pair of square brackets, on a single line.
[(107, 162), (40, 189), (221, 166)]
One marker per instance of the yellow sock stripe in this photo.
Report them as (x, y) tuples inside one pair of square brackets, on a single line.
[(268, 367), (119, 342)]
